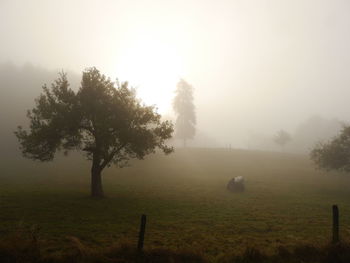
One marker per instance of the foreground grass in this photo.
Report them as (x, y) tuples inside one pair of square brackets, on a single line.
[(24, 246), (287, 202)]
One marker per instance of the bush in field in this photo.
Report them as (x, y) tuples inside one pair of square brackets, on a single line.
[(334, 154)]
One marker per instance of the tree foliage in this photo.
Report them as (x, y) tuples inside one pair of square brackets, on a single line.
[(103, 119), (334, 154), (185, 111)]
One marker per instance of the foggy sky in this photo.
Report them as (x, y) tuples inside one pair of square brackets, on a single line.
[(256, 66)]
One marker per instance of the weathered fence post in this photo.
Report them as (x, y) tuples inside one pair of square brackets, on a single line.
[(142, 233), (335, 224)]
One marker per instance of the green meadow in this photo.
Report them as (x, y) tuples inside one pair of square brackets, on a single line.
[(286, 202)]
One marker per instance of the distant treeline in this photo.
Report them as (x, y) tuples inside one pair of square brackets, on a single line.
[(303, 139)]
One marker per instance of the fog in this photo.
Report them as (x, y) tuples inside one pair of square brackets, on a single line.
[(256, 66)]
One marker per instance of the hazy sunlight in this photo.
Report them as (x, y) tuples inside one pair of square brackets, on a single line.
[(153, 68)]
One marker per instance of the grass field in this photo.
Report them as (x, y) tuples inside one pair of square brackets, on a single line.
[(287, 201)]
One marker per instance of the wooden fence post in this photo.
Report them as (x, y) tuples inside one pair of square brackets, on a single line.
[(335, 224), (142, 233)]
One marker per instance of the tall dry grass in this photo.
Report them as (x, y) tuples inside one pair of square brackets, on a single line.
[(25, 246)]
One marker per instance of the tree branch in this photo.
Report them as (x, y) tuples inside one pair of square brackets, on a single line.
[(110, 157)]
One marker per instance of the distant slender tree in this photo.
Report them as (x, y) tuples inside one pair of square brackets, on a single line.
[(185, 110), (334, 154), (282, 138), (102, 119)]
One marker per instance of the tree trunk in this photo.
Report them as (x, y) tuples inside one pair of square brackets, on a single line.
[(96, 182)]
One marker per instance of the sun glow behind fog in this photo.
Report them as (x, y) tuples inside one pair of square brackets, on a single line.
[(152, 67)]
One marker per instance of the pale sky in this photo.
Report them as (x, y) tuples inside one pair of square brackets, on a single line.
[(256, 66)]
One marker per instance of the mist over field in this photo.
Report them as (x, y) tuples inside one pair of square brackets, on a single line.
[(256, 66), (225, 122)]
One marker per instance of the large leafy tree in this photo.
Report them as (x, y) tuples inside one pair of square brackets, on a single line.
[(184, 109), (334, 154), (102, 119)]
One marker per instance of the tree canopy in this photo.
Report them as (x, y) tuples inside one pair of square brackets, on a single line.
[(103, 119), (185, 111), (334, 154)]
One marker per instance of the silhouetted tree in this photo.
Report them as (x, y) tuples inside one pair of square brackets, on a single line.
[(102, 119), (185, 111), (282, 138), (334, 154)]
